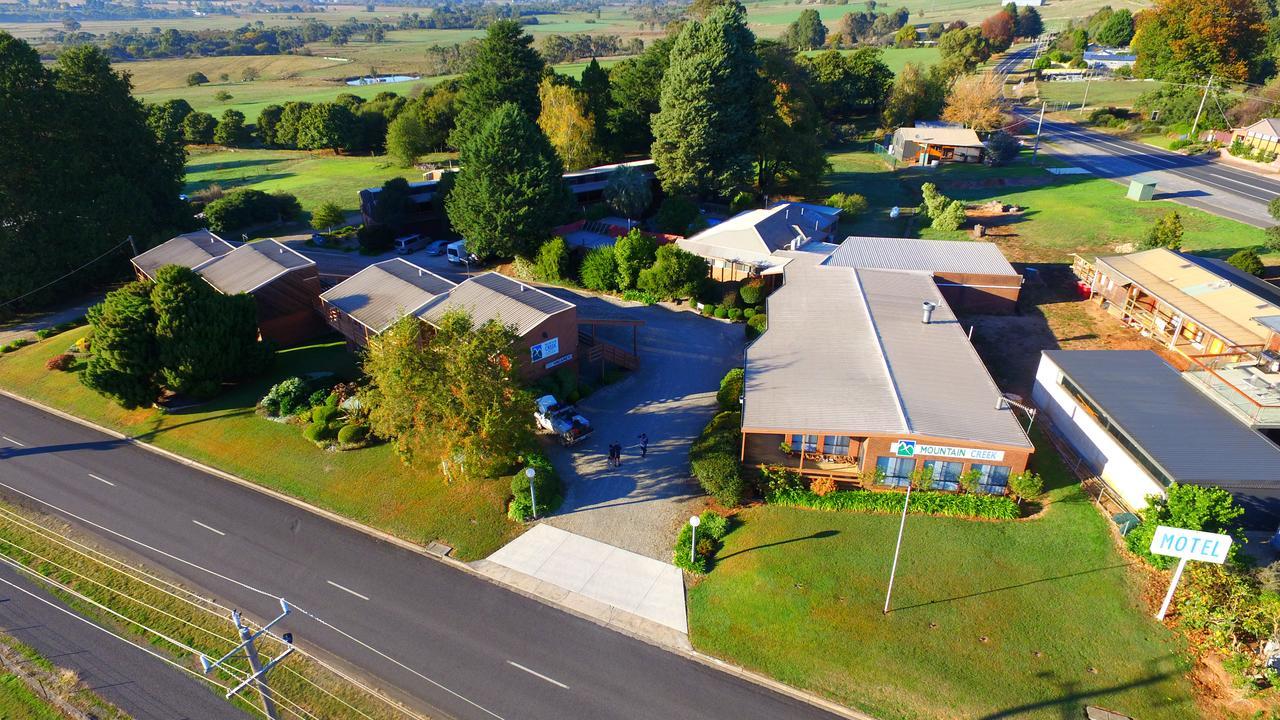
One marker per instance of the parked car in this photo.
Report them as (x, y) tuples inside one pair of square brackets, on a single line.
[(318, 239), (409, 244), (569, 426), (457, 253), (437, 248)]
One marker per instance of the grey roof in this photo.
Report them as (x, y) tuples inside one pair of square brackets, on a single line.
[(933, 256), (1187, 434), (752, 237), (251, 266), (189, 250), (846, 353), (1227, 271), (1270, 322), (383, 292), (490, 296)]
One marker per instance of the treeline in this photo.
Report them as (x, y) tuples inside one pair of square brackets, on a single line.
[(46, 11), (252, 39), (567, 48)]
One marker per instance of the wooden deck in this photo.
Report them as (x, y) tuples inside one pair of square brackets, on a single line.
[(766, 450)]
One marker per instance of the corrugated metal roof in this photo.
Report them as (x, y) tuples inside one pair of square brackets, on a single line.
[(491, 296), (380, 294), (1271, 126), (189, 250), (1187, 434), (933, 256), (251, 266), (954, 136), (751, 237)]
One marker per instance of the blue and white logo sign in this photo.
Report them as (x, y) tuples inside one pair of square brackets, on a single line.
[(905, 448), (545, 349)]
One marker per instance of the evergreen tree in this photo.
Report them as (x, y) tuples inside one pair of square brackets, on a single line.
[(703, 130), (268, 122), (198, 128), (1031, 25), (1117, 31), (510, 191), (505, 69), (125, 362), (1166, 233), (231, 130), (807, 32), (595, 90), (635, 87)]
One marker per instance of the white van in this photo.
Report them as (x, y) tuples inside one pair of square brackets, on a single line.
[(457, 254), (409, 244)]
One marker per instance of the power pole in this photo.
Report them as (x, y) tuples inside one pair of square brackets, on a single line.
[(1200, 109), (1088, 78), (133, 246), (258, 676), (1039, 124)]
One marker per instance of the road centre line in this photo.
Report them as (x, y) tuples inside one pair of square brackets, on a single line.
[(537, 674), (347, 589), (6, 438), (102, 480), (210, 528)]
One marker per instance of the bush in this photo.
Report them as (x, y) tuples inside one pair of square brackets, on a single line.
[(1192, 507), (285, 398), (45, 333), (595, 211), (632, 253), (735, 314), (352, 434), (709, 310), (547, 487), (323, 414), (934, 201), (552, 262), (722, 313), (316, 432), (1026, 485), (926, 502), (1247, 260), (246, 207), (741, 202), (640, 296), (851, 204), (1179, 144), (729, 298), (730, 391), (951, 218), (16, 344), (61, 362), (677, 273), (749, 313), (712, 527), (375, 239), (1002, 148), (757, 325), (196, 78), (713, 459), (676, 215), (1273, 238), (599, 270), (751, 292)]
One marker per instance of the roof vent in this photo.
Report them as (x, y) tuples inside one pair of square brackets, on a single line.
[(926, 314)]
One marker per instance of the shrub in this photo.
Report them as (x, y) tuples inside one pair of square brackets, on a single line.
[(45, 333), (730, 390), (927, 502), (951, 218), (85, 343), (640, 296), (677, 273), (595, 211), (375, 239), (599, 270), (552, 262), (822, 486), (709, 310), (712, 527), (934, 201), (352, 434), (16, 344), (547, 487), (1026, 485), (1192, 507), (1179, 144), (742, 201), (749, 313), (729, 298), (735, 314), (245, 207), (713, 459), (316, 432), (757, 325), (851, 204), (969, 481), (285, 397), (1002, 149), (61, 362), (632, 253), (1247, 260), (722, 313), (676, 215), (323, 414), (751, 292), (1239, 149), (1273, 238)]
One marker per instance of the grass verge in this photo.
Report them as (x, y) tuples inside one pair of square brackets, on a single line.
[(370, 486), (1027, 619)]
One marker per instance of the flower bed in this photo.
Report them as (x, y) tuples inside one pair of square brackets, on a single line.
[(923, 502)]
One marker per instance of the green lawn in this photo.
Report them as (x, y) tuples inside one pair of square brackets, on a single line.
[(313, 177), (1063, 214), (1120, 93), (1028, 619), (370, 486), (17, 702)]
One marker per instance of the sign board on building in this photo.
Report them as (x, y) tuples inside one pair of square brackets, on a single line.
[(1191, 544), (545, 349), (912, 448), (559, 361)]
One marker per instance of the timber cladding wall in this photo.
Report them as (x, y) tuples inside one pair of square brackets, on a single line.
[(287, 307)]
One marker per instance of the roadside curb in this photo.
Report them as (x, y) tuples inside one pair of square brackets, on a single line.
[(706, 660)]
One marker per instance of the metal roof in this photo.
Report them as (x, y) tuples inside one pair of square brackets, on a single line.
[(933, 256), (383, 292), (1270, 126), (1187, 434), (490, 296), (1227, 271), (753, 236), (251, 266), (954, 136), (189, 250)]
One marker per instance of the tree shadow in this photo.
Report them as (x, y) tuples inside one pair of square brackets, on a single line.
[(232, 165), (1070, 703), (820, 535), (1014, 586)]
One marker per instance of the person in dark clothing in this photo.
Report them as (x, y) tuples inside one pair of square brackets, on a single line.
[(614, 453), (644, 444)]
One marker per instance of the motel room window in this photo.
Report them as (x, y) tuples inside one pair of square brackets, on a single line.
[(896, 470), (992, 479), (804, 443), (946, 475), (835, 445)]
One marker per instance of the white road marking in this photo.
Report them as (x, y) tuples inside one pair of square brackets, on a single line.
[(347, 589), (9, 439), (209, 528), (102, 480), (537, 674)]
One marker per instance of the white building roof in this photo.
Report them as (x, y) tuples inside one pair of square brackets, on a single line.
[(753, 236)]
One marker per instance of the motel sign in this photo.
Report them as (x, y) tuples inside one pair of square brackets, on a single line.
[(1187, 545)]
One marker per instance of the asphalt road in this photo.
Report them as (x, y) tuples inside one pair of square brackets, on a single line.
[(143, 686), (453, 644), (1191, 180), (1010, 62)]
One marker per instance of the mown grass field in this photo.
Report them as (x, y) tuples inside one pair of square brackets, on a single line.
[(370, 486), (1062, 214), (1027, 619), (1120, 93)]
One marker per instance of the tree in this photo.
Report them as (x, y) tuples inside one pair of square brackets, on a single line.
[(998, 31), (635, 89), (1186, 40), (455, 399), (1247, 260), (438, 112), (1029, 22), (975, 102), (677, 273), (198, 128), (916, 94), (700, 9), (707, 116), (327, 216), (676, 215), (935, 30), (951, 218), (196, 78), (1191, 507), (905, 37), (632, 253), (505, 69), (246, 207), (552, 262), (166, 119), (268, 124), (851, 204), (125, 361), (1117, 31), (844, 84), (231, 130), (599, 270), (327, 126), (964, 49), (250, 73), (807, 32), (788, 148), (1002, 149), (222, 96), (407, 139), (567, 125), (510, 191), (1166, 233), (628, 192), (598, 103)]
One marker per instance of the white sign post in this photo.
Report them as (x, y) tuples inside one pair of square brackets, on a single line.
[(1187, 545)]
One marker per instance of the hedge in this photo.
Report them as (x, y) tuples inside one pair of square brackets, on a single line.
[(924, 502), (713, 459)]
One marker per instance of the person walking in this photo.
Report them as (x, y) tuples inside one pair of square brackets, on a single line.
[(644, 444), (617, 455), (613, 454)]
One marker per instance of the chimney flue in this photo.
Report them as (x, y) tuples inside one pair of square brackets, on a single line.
[(926, 311)]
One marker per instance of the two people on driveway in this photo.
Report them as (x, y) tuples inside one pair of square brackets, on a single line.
[(615, 450)]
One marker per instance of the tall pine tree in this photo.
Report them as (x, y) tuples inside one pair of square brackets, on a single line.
[(595, 88), (707, 117), (506, 69)]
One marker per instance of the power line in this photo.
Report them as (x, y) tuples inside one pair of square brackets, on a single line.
[(67, 275)]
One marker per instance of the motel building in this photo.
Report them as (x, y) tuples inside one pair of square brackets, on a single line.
[(865, 376)]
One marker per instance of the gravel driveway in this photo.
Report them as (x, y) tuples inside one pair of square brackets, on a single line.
[(671, 397)]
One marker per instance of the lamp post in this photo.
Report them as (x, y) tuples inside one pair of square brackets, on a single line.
[(533, 499), (694, 522), (897, 548)]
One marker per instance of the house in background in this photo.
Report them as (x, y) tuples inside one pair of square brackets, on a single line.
[(284, 284), (1109, 59), (1262, 136), (744, 246), (925, 145)]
